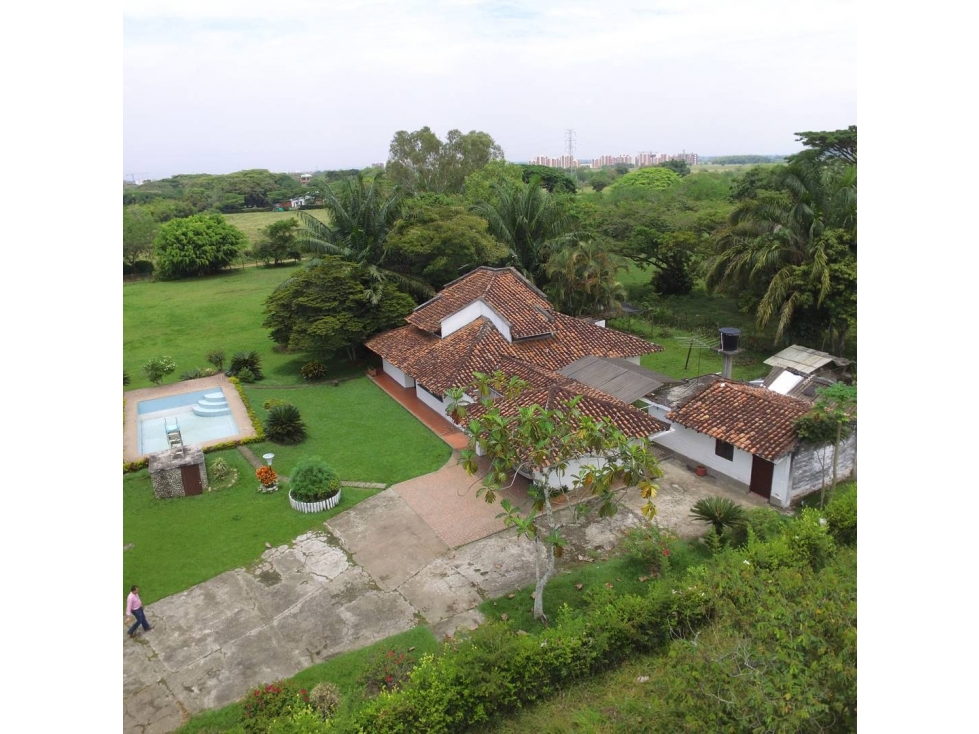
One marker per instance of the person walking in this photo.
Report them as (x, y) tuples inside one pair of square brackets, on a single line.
[(134, 608)]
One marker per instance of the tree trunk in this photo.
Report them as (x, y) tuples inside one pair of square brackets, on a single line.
[(542, 579), (836, 450)]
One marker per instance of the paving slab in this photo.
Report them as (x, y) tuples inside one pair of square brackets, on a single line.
[(439, 591), (154, 710), (387, 538)]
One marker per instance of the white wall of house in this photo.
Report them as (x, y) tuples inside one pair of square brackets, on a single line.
[(559, 479), (439, 405), (781, 477), (472, 312), (397, 375)]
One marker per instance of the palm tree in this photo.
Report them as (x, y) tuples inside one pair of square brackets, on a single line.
[(362, 212), (785, 242), (582, 278), (720, 512), (529, 221)]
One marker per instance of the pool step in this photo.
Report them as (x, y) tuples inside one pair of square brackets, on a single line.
[(212, 404)]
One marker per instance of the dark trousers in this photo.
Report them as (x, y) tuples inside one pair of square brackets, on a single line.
[(140, 620)]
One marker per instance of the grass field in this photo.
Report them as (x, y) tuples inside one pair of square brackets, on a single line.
[(252, 223)]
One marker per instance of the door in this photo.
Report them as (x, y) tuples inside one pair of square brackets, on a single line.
[(190, 477), (761, 476)]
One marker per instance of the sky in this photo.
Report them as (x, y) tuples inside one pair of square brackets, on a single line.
[(220, 86)]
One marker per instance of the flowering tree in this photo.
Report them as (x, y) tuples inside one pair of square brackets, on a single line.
[(542, 442)]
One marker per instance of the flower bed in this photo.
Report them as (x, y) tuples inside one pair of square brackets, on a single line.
[(327, 504)]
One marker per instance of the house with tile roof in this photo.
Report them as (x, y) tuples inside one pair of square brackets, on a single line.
[(746, 434), (494, 319)]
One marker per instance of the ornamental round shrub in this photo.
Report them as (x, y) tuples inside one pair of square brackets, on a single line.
[(246, 360), (246, 376), (312, 371), (284, 425), (158, 368), (325, 698), (312, 480)]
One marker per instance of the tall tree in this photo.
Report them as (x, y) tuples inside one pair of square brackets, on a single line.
[(680, 167), (198, 245), (331, 306), (362, 213), (841, 144), (583, 278), (528, 221), (543, 441), (279, 242), (420, 162), (784, 243), (138, 232), (553, 179)]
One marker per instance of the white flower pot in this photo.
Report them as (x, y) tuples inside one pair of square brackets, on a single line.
[(315, 506)]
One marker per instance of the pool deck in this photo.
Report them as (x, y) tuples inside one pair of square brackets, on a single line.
[(130, 440)]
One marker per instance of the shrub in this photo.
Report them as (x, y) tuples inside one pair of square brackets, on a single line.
[(841, 514), (312, 371), (246, 376), (387, 671), (125, 378), (312, 480), (720, 512), (191, 374), (220, 469), (140, 267), (272, 402), (665, 332), (158, 368), (765, 522), (246, 360), (650, 546), (325, 698), (216, 357), (266, 475), (267, 703), (284, 425)]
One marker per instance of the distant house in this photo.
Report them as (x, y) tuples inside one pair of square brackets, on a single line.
[(305, 178), (298, 201), (746, 434)]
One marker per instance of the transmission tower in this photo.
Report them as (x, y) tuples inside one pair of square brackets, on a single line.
[(569, 145)]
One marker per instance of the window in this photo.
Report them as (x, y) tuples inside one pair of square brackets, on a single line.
[(724, 449)]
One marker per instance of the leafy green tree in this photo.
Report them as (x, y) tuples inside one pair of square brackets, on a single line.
[(158, 368), (583, 278), (839, 144), (420, 162), (621, 168), (252, 185), (553, 179), (279, 242), (333, 305), (438, 241), (138, 232), (649, 178), (600, 180), (670, 252), (780, 244), (362, 213), (528, 221), (681, 167), (198, 245), (833, 415), (479, 185), (543, 441)]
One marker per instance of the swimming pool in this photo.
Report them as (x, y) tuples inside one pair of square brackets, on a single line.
[(155, 415)]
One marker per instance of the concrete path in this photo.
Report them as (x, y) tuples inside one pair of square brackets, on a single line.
[(375, 570)]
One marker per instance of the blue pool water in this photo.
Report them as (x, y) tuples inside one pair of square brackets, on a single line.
[(154, 415)]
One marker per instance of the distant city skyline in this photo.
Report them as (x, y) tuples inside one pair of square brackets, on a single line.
[(225, 86)]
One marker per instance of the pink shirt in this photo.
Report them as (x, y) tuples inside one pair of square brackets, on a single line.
[(133, 602)]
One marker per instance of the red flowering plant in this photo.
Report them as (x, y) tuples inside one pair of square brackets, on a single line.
[(387, 671), (271, 701), (266, 475)]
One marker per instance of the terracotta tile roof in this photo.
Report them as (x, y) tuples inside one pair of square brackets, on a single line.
[(439, 364), (525, 308), (576, 338), (754, 419)]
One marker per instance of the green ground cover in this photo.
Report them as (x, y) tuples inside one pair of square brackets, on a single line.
[(252, 223), (343, 671), (183, 541), (355, 428)]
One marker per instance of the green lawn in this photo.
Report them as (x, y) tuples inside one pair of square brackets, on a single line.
[(182, 541), (357, 429), (252, 223)]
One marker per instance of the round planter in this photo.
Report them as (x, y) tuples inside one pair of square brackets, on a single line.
[(701, 471), (270, 488), (315, 506)]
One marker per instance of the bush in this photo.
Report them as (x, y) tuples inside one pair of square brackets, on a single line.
[(720, 512), (650, 546), (312, 371), (125, 378), (387, 671), (246, 360), (312, 480), (158, 368), (191, 374), (765, 522), (220, 469), (284, 425), (325, 698), (140, 267), (216, 358), (267, 703), (246, 376), (841, 514), (272, 402)]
